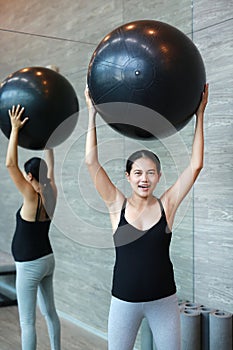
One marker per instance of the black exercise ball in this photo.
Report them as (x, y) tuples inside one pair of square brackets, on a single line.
[(146, 79), (50, 102)]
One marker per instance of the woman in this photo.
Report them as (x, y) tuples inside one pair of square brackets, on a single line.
[(143, 278), (31, 247)]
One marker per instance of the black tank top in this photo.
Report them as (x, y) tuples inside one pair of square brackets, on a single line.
[(143, 270), (31, 238)]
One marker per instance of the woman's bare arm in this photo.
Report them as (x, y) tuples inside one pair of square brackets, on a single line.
[(17, 176), (107, 190), (176, 193)]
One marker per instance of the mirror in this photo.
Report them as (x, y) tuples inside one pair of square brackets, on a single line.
[(81, 233)]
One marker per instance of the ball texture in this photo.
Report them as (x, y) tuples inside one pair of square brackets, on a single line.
[(50, 102), (146, 79)]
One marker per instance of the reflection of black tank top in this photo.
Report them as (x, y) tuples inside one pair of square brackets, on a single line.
[(31, 238), (143, 270)]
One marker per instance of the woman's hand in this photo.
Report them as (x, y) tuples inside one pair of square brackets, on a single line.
[(204, 100), (89, 102), (12, 152), (15, 116)]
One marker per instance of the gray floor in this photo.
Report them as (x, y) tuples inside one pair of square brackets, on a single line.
[(73, 337)]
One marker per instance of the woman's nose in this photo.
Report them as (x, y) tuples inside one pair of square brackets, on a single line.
[(144, 176)]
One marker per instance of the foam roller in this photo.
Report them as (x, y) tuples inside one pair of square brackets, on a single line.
[(205, 312), (190, 329), (220, 330)]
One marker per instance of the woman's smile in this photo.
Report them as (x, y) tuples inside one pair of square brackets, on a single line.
[(144, 187)]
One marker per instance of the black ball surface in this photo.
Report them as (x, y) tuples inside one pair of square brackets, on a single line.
[(50, 102), (146, 79)]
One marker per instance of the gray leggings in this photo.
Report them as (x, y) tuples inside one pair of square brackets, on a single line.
[(125, 318), (36, 278)]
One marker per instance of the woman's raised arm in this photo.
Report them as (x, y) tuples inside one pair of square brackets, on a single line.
[(49, 157), (176, 193), (107, 190), (17, 123)]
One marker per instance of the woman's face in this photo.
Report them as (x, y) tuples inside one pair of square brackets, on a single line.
[(143, 177)]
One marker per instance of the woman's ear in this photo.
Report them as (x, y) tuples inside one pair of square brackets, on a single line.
[(127, 176), (29, 176)]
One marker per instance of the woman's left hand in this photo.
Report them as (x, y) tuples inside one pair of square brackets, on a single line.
[(204, 101), (15, 116)]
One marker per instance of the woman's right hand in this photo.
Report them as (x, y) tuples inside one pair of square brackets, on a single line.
[(15, 116), (89, 102)]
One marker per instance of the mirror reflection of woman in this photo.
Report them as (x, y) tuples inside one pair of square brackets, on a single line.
[(31, 246), (143, 276)]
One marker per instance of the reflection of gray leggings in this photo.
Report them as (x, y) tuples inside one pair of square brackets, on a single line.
[(33, 276), (162, 315)]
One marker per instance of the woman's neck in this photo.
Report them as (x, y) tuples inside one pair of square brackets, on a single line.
[(141, 202)]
